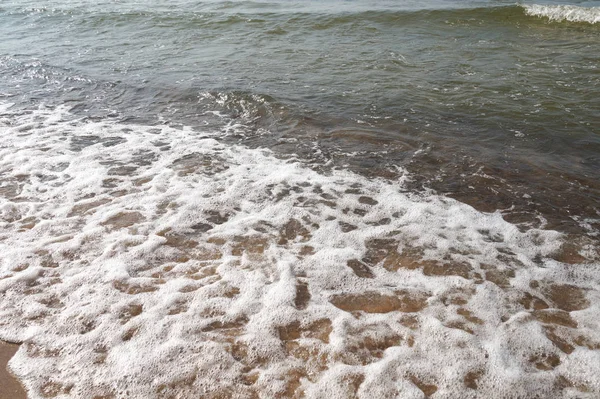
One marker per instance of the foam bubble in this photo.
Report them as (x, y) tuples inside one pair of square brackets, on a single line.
[(147, 261), (560, 13)]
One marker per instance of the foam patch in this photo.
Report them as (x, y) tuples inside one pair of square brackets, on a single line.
[(568, 13), (148, 261)]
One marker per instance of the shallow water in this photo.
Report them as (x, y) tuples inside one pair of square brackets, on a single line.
[(281, 199)]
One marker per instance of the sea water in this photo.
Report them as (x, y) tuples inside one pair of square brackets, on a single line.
[(301, 199)]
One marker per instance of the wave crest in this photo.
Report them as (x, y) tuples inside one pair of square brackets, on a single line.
[(561, 13)]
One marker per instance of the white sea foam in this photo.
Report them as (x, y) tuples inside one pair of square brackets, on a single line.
[(147, 262), (560, 13)]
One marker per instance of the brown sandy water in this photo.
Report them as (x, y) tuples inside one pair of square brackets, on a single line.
[(304, 349), (10, 388), (304, 346), (528, 189)]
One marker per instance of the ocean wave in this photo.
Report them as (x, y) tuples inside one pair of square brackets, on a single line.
[(561, 13), (287, 21)]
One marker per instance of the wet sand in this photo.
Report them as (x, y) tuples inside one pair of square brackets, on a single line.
[(9, 386)]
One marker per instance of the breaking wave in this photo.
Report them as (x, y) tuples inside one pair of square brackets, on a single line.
[(561, 13)]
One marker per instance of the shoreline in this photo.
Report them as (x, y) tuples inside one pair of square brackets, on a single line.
[(10, 387)]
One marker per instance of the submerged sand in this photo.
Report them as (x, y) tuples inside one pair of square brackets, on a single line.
[(169, 265), (9, 386)]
